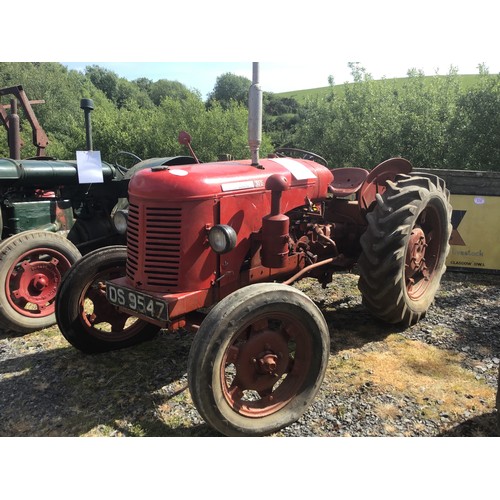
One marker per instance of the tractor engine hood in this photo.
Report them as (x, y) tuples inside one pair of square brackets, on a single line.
[(214, 180)]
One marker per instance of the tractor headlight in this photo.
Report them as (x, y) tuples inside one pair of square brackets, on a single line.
[(120, 221), (222, 238)]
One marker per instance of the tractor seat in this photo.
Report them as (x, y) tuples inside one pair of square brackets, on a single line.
[(347, 181)]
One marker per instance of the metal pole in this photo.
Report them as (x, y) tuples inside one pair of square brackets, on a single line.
[(255, 116)]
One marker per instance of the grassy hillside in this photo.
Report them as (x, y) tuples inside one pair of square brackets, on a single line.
[(302, 95)]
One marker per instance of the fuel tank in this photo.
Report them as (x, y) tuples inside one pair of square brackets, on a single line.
[(45, 173)]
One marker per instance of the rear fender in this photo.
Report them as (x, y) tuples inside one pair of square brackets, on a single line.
[(376, 181)]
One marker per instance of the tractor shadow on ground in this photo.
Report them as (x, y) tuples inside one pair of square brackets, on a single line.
[(484, 425), (140, 391), (132, 392), (352, 326)]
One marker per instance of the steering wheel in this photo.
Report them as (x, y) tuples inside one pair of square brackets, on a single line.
[(125, 153), (305, 155)]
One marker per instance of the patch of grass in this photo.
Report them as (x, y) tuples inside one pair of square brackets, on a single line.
[(170, 405), (387, 411), (432, 377)]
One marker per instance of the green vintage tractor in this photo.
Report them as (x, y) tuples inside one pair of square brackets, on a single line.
[(48, 217)]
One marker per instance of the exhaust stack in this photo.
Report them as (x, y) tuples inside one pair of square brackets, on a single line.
[(87, 105), (13, 132), (255, 116)]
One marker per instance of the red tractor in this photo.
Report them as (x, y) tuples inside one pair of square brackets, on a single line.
[(215, 247)]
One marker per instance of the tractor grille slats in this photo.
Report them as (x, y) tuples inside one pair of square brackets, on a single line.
[(153, 245)]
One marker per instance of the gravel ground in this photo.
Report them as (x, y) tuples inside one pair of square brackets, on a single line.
[(463, 321), (445, 384)]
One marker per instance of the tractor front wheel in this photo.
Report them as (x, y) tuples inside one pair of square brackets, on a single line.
[(258, 360), (32, 265), (85, 317), (405, 248)]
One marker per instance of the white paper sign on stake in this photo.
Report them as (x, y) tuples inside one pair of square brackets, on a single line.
[(88, 164)]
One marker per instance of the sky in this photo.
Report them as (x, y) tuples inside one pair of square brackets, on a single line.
[(280, 76), (298, 46)]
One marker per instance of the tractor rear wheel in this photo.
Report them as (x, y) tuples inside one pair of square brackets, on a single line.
[(258, 360), (85, 317), (32, 265), (405, 248)]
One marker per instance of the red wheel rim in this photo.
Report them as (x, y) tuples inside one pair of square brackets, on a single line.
[(32, 281), (101, 319), (266, 364), (422, 253)]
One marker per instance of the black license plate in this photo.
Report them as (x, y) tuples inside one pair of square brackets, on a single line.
[(137, 302)]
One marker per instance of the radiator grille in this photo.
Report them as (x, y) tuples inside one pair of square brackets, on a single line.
[(155, 234)]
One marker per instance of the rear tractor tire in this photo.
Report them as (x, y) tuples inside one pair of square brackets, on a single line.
[(32, 266), (404, 248)]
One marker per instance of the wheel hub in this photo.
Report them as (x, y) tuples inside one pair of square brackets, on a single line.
[(38, 282), (262, 360), (267, 363), (415, 257)]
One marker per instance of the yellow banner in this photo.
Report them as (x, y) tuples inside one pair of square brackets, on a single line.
[(475, 240)]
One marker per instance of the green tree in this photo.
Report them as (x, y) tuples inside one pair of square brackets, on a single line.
[(118, 90), (105, 80), (426, 106), (280, 118), (215, 131), (168, 88), (144, 84), (474, 131), (230, 87), (436, 121), (60, 115), (368, 121), (355, 127)]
